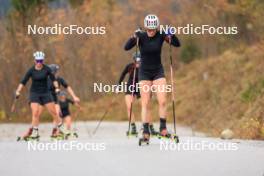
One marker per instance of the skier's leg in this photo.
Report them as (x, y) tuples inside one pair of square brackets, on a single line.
[(33, 130), (57, 120), (128, 100), (52, 110), (57, 108), (36, 110), (67, 122), (161, 97), (145, 92)]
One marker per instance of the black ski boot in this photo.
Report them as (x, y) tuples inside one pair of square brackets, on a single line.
[(164, 134), (60, 133), (145, 136), (153, 132), (133, 131)]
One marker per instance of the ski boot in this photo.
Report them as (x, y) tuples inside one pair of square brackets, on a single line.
[(65, 133), (164, 134), (59, 133), (133, 131), (153, 132), (71, 134), (144, 139), (55, 133), (31, 135)]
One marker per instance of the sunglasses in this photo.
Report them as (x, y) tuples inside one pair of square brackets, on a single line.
[(39, 61), (151, 30)]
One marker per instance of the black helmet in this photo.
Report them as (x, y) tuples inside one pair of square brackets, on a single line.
[(137, 56), (54, 68)]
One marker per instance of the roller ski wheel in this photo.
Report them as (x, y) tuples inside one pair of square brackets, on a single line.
[(58, 137), (75, 135), (176, 138), (28, 138), (144, 140), (169, 136), (71, 135)]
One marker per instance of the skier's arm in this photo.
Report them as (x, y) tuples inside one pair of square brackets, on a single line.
[(130, 43), (71, 92), (54, 81), (133, 40), (69, 89), (173, 39), (26, 77), (70, 101), (77, 104), (18, 90), (23, 82)]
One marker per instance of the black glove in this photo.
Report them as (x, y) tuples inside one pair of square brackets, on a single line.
[(137, 32)]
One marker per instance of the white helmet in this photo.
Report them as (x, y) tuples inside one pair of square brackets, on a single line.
[(151, 22), (39, 55)]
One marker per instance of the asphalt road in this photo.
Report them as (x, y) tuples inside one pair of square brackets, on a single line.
[(110, 152)]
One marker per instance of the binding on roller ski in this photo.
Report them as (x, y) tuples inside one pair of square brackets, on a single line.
[(31, 135), (72, 135)]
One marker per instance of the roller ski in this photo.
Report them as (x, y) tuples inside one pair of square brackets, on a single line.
[(144, 140), (56, 135), (31, 135), (165, 135), (153, 132), (60, 133), (71, 135), (74, 134), (133, 131)]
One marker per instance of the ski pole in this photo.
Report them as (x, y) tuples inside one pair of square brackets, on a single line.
[(103, 116), (172, 91), (75, 115), (13, 106), (134, 79)]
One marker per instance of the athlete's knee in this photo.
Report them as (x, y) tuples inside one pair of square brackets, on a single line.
[(53, 111), (145, 102), (35, 115), (162, 103)]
